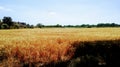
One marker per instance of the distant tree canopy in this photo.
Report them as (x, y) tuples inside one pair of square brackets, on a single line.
[(0, 21), (98, 25), (8, 23), (52, 26), (39, 25), (107, 25)]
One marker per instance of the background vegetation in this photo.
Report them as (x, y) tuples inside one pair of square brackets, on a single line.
[(7, 23)]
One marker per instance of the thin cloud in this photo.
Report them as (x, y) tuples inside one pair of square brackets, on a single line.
[(5, 9), (52, 13)]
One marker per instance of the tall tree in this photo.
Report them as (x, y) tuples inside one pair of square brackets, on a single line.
[(8, 21)]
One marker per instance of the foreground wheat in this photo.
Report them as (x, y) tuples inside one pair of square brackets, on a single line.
[(47, 45)]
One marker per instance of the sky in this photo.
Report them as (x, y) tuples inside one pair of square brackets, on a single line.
[(64, 12)]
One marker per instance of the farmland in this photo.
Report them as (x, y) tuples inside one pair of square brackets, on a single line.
[(19, 47)]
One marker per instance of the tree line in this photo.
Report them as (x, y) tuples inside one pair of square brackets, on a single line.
[(39, 25), (8, 23), (97, 25)]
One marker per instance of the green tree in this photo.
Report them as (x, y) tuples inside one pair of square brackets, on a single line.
[(0, 24), (8, 21), (4, 26), (58, 25), (16, 26), (0, 21), (28, 26), (39, 25), (31, 26)]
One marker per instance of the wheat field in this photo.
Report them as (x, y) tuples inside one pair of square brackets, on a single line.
[(47, 45)]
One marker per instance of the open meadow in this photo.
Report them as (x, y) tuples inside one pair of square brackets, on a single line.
[(38, 47)]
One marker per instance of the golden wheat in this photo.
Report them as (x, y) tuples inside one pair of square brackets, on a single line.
[(49, 44)]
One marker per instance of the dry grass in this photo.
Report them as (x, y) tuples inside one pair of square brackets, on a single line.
[(47, 44)]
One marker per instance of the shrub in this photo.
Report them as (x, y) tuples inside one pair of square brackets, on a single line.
[(4, 26)]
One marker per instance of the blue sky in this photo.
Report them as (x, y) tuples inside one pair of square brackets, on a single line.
[(63, 12)]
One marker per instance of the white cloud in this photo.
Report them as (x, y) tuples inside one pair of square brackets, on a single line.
[(52, 13), (5, 9)]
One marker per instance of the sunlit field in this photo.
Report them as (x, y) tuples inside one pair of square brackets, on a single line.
[(45, 45)]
